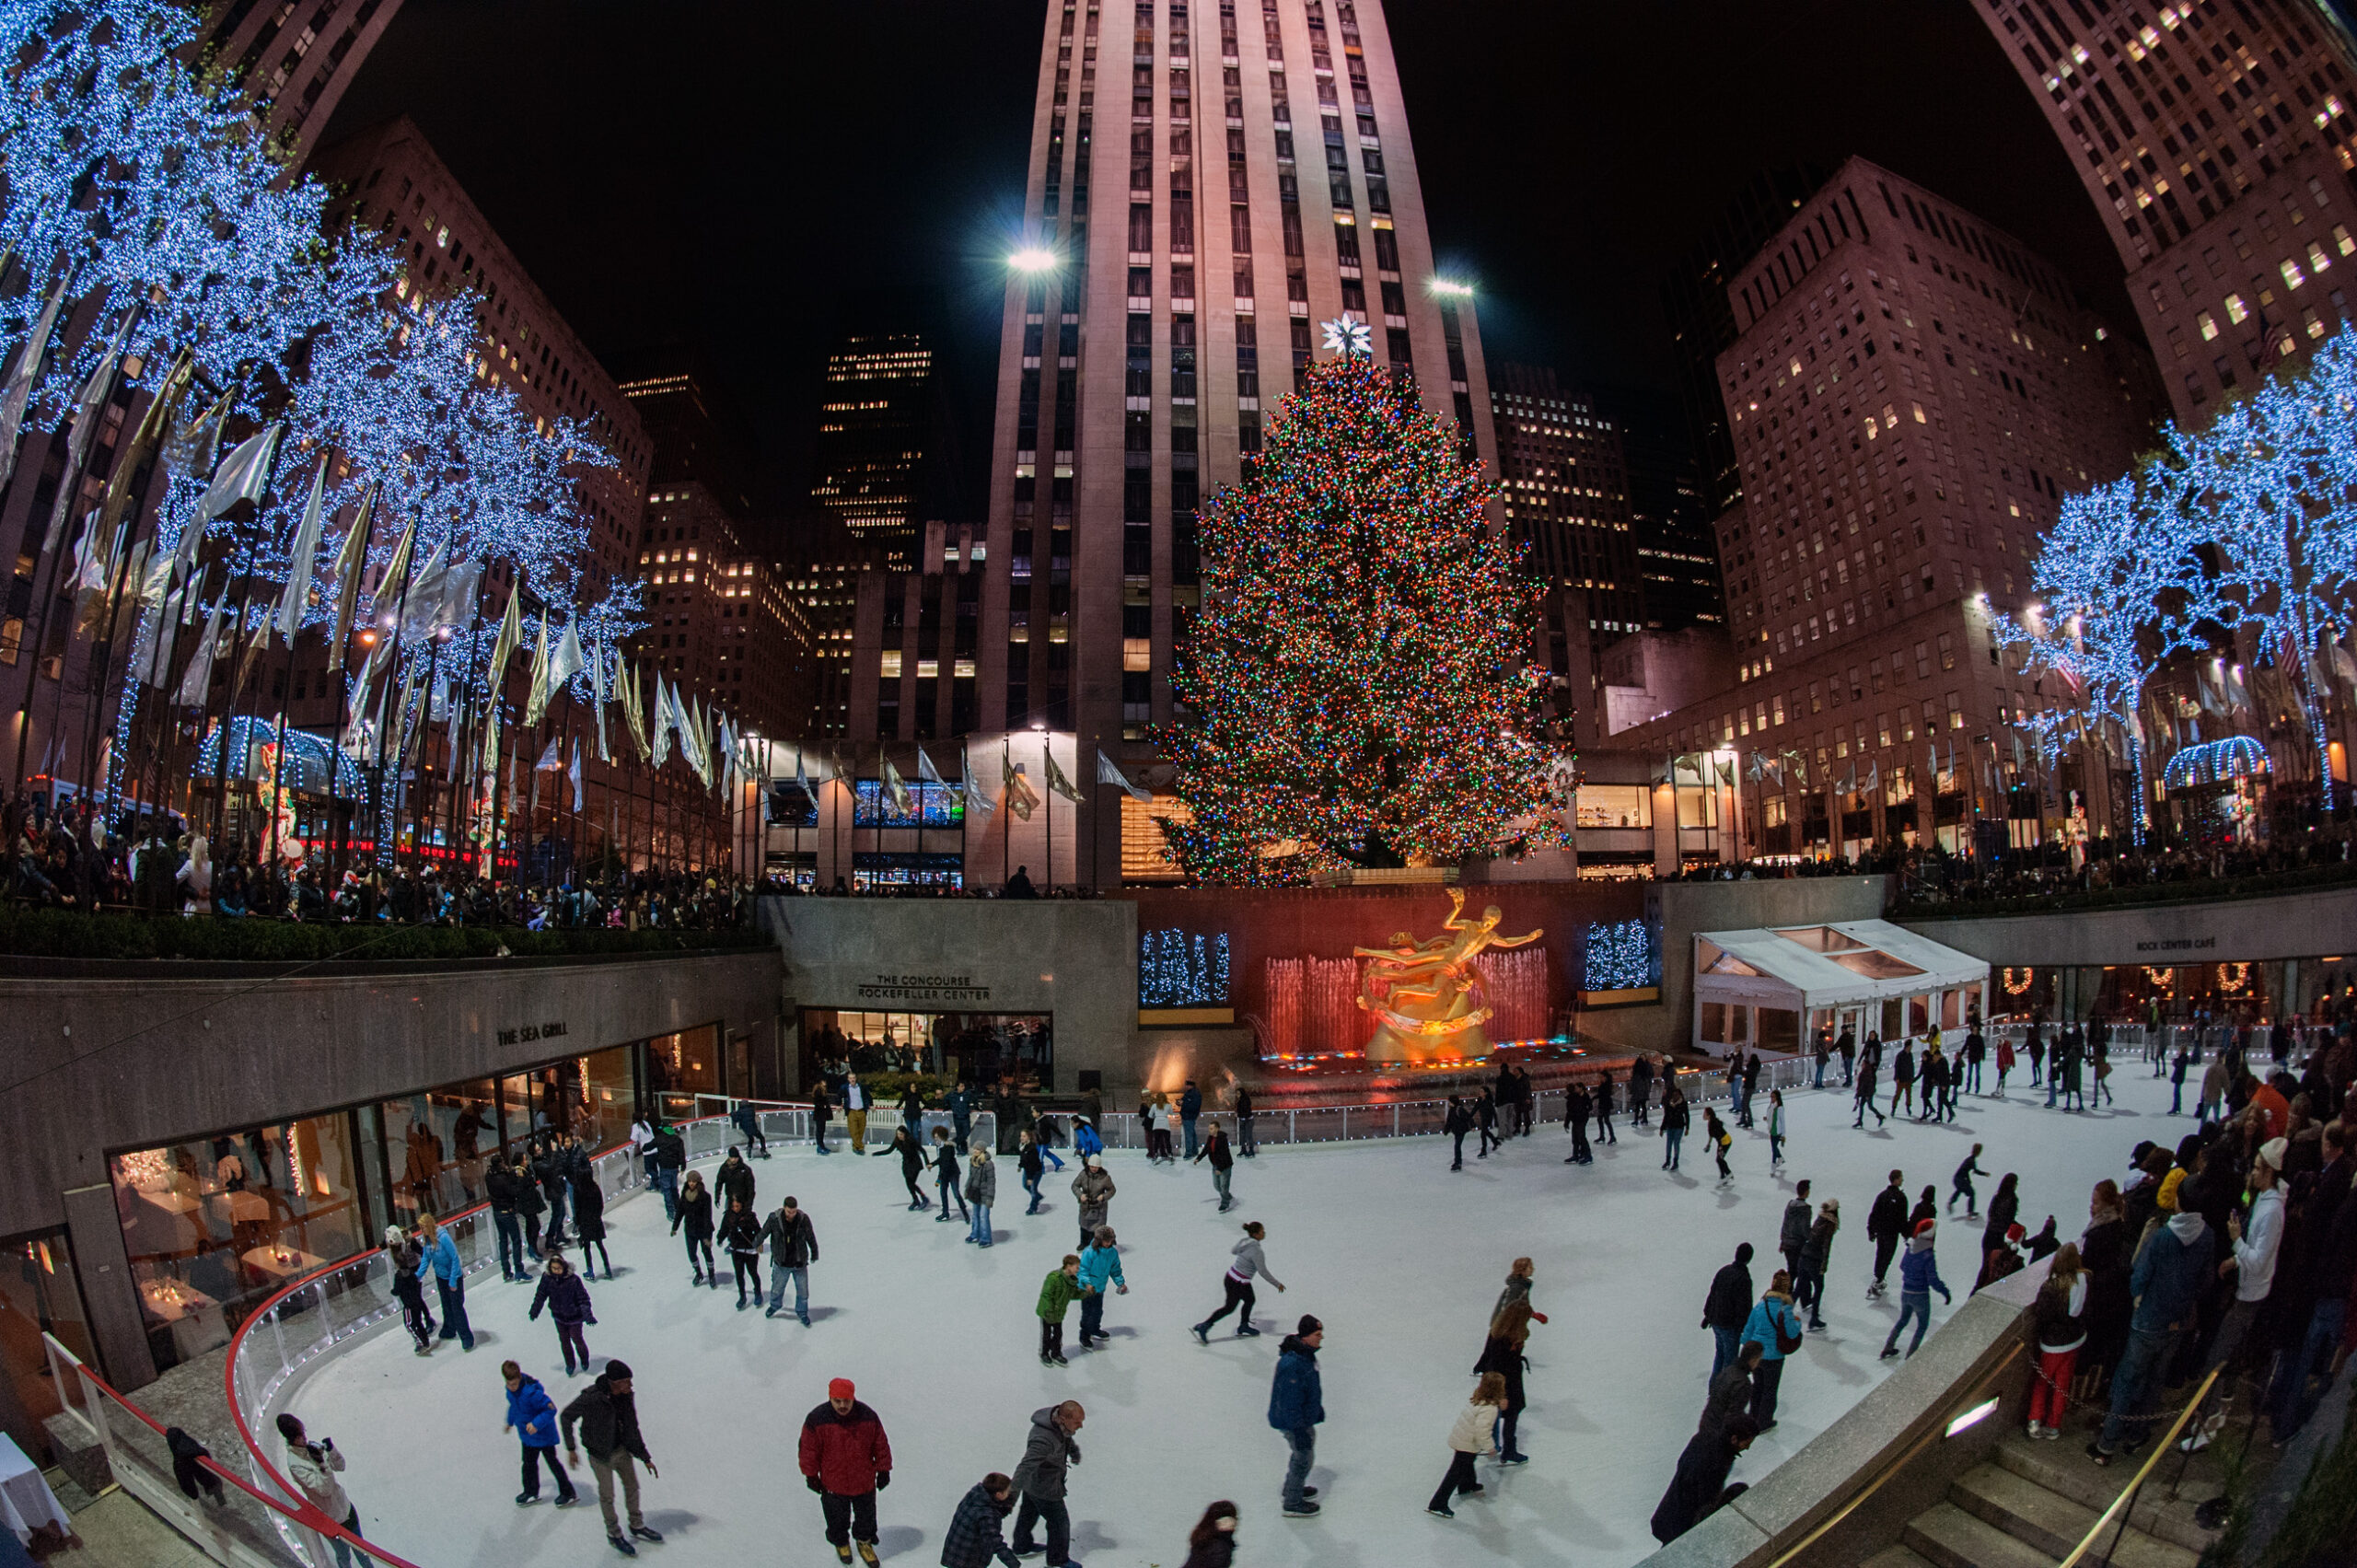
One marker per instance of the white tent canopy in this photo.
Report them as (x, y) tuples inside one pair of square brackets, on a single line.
[(1774, 988)]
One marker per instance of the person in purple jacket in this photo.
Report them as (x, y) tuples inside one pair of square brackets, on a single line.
[(567, 1299)]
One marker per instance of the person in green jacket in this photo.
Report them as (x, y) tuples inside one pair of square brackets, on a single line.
[(1057, 1294)]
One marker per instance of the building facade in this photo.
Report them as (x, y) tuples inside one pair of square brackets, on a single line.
[(1912, 392), (1677, 556), (1211, 180), (293, 58), (2216, 139), (875, 422)]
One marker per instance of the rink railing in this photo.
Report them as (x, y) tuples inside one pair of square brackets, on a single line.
[(324, 1311), (238, 1532)]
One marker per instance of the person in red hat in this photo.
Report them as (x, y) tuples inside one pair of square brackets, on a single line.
[(846, 1460)]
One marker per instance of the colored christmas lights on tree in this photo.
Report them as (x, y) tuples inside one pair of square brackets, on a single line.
[(1356, 689)]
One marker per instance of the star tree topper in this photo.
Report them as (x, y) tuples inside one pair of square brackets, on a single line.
[(1347, 337)]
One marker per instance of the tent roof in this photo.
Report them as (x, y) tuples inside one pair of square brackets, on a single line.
[(1825, 965)]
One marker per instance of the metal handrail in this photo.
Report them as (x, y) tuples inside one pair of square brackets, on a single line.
[(1914, 1451), (2123, 1504)]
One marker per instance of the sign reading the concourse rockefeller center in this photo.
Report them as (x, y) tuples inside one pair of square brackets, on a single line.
[(923, 988)]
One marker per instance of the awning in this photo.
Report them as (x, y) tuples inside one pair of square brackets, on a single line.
[(1802, 968)]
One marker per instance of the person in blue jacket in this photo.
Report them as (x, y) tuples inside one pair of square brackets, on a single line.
[(1190, 1106), (449, 1271), (1296, 1407), (531, 1416), (1101, 1265), (2172, 1269), (1919, 1276), (1773, 1324)]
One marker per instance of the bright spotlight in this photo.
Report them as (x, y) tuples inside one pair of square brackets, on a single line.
[(1033, 260), (1454, 290)]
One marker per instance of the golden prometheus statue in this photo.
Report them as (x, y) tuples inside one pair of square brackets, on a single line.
[(1427, 998)]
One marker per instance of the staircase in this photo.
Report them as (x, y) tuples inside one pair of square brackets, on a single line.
[(2030, 1503)]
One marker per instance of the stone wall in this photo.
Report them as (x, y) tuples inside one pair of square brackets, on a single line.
[(2284, 925)]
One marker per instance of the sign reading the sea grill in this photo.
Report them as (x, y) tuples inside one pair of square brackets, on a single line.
[(525, 1034), (923, 988)]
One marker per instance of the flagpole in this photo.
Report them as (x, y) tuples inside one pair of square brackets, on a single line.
[(1047, 743), (1096, 819)]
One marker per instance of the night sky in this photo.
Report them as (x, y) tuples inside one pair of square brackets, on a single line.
[(723, 175)]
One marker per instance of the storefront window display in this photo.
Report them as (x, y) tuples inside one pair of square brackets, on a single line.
[(975, 1047), (682, 1067)]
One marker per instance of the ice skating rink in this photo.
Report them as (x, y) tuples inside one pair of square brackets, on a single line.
[(1401, 1258)]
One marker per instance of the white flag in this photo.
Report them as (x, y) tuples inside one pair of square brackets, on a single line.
[(977, 803), (89, 411), (303, 558), (567, 662), (895, 786), (17, 395), (243, 475), (925, 770), (574, 774), (198, 678), (460, 583), (550, 758), (598, 696), (1109, 774)]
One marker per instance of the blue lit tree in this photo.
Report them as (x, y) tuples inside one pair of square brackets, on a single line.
[(2270, 493), (2116, 576)]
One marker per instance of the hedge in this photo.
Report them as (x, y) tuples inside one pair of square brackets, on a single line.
[(2208, 891), (69, 934)]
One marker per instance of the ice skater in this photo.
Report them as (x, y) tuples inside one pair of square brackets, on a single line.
[(1502, 1354), (748, 1125), (912, 1153), (568, 1300), (1775, 1127), (1057, 1293), (313, 1467), (531, 1416), (1212, 1543), (820, 1109), (793, 1247), (974, 1540), (1576, 1107), (1519, 1276), (605, 1417), (732, 1182), (1049, 1454), (1919, 1276), (1604, 1133), (1222, 1162), (846, 1459), (981, 1191), (947, 1178), (1467, 1440), (1457, 1123), (1674, 1119), (1101, 1265), (1296, 1406), (1887, 1227), (740, 1233), (1250, 1264), (1865, 1089), (1963, 1188), (1094, 1188), (1485, 1122), (403, 1254), (1775, 1328), (441, 1257), (694, 1216), (589, 1220), (1030, 1161), (1716, 1134)]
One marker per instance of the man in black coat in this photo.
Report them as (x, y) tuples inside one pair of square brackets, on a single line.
[(1792, 1234), (1886, 1226), (1727, 1308), (793, 1247), (605, 1415), (1702, 1476), (1730, 1393), (1575, 1113)]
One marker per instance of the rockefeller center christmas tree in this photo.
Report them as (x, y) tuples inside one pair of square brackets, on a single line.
[(1356, 690)]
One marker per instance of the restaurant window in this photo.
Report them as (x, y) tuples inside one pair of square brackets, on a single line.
[(1615, 806), (213, 1225), (38, 1295)]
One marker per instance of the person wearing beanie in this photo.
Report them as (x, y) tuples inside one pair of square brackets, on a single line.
[(604, 1417), (1919, 1276), (1057, 1293), (2251, 1249), (313, 1467), (846, 1459), (404, 1254), (1049, 1454), (1094, 1188), (1296, 1405), (2173, 1264), (1727, 1308)]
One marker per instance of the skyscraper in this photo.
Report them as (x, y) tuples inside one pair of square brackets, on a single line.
[(1912, 393), (2216, 140), (293, 58), (876, 424), (1238, 171)]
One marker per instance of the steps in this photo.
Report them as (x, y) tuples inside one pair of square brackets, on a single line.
[(2028, 1506)]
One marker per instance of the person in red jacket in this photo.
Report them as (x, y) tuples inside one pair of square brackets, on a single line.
[(846, 1461)]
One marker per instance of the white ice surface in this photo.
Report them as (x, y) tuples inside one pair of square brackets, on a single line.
[(1401, 1258)]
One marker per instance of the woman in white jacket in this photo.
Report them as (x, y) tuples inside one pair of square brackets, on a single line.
[(1470, 1437), (313, 1467)]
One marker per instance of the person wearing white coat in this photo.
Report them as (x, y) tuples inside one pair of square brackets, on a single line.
[(1468, 1437), (313, 1467)]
